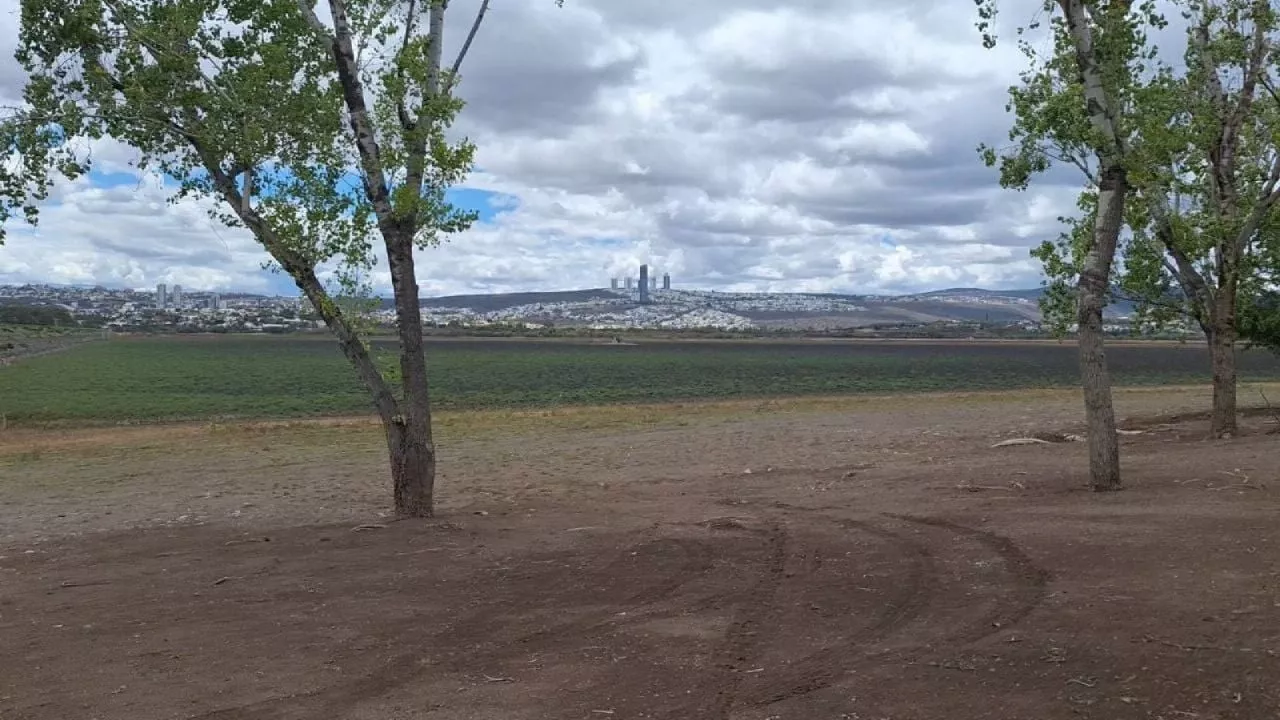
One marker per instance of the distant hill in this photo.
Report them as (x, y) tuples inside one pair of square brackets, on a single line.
[(503, 301), (1030, 294), (605, 308)]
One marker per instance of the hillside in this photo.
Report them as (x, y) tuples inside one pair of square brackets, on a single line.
[(605, 309)]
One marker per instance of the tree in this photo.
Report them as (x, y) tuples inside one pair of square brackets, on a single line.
[(267, 111), (1074, 106), (1260, 321), (1201, 247)]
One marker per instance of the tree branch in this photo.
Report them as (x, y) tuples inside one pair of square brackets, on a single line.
[(1255, 70), (402, 111), (1102, 114), (373, 174), (309, 14), (302, 270), (1198, 292), (435, 45), (462, 54), (1221, 154)]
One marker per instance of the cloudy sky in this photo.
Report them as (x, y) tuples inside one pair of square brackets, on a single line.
[(814, 145)]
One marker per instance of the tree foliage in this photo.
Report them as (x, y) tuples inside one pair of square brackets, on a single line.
[(1202, 239), (236, 101), (1052, 127), (320, 137)]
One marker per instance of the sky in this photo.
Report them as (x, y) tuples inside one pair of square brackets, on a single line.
[(739, 145)]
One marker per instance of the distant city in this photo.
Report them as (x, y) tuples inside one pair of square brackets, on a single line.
[(633, 301), (643, 287)]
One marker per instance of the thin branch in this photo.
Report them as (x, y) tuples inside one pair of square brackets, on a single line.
[(1220, 154), (1254, 73), (402, 111), (462, 54), (1271, 90)]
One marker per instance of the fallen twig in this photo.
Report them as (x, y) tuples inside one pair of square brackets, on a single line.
[(82, 583), (369, 526), (492, 679), (1082, 681), (1021, 441), (242, 541), (1244, 485), (221, 580)]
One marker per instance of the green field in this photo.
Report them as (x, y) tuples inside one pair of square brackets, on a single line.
[(172, 378)]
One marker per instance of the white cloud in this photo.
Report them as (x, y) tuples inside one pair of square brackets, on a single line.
[(733, 143)]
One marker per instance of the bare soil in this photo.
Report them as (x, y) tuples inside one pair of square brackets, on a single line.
[(797, 560)]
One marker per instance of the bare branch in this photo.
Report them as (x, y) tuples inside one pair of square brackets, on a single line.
[(462, 54)]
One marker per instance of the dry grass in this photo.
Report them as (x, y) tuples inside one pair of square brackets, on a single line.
[(70, 481), (18, 446)]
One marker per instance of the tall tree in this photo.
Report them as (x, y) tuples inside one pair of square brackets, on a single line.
[(1210, 186), (267, 111), (1074, 106)]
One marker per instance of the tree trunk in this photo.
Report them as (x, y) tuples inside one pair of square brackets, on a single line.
[(415, 481), (413, 469), (1095, 276), (1222, 351)]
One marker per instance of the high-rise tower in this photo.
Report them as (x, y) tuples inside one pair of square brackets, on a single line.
[(666, 281), (177, 296), (644, 284), (162, 296)]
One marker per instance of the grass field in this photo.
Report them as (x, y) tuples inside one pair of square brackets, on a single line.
[(154, 379)]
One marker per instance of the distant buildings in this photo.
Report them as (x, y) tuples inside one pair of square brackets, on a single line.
[(177, 296), (162, 296), (645, 286)]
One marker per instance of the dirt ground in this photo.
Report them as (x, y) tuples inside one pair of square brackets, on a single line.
[(842, 559)]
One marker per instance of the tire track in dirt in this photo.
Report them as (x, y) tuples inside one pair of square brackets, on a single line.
[(1030, 591), (925, 587), (1021, 593), (754, 622), (324, 703), (912, 595)]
